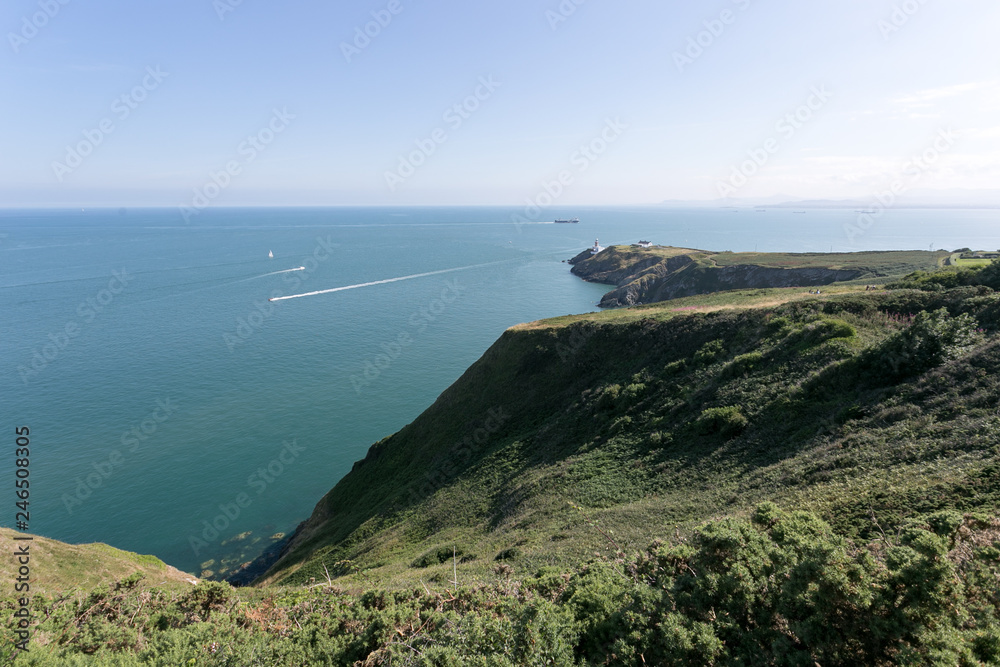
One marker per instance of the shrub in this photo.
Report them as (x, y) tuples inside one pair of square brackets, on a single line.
[(675, 367), (728, 421), (780, 326), (820, 331), (931, 340), (609, 397), (508, 554), (990, 275), (743, 364), (950, 278), (709, 352), (437, 556), (633, 392)]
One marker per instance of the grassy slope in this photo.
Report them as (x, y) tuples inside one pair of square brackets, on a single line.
[(57, 567), (895, 262), (603, 446)]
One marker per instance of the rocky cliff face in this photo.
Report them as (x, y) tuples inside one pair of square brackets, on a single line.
[(643, 277)]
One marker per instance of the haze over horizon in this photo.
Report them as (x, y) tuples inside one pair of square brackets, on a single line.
[(385, 102)]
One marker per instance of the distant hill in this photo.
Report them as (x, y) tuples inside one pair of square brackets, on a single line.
[(956, 198)]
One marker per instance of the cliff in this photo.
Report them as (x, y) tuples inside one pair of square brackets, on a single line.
[(568, 429)]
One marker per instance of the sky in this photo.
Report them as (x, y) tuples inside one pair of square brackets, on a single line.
[(448, 102)]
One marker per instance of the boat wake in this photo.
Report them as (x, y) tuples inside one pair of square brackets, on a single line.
[(386, 281), (265, 275), (274, 273)]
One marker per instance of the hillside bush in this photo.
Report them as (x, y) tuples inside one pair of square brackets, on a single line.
[(709, 352), (950, 278), (932, 339), (727, 421), (743, 364)]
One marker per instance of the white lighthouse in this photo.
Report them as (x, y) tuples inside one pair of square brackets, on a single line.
[(597, 248)]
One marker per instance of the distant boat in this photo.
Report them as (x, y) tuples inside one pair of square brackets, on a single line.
[(568, 222), (270, 254)]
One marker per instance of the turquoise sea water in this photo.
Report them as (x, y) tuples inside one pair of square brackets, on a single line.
[(162, 388)]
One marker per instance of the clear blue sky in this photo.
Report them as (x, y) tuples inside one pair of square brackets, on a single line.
[(688, 126)]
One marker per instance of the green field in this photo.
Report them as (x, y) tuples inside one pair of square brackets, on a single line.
[(888, 263), (894, 262)]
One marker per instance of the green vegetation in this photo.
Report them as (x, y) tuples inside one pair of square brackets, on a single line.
[(985, 274), (775, 587), (728, 421), (870, 263)]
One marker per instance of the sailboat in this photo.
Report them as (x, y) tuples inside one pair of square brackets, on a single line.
[(270, 254)]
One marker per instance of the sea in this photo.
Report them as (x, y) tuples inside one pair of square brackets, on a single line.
[(174, 410)]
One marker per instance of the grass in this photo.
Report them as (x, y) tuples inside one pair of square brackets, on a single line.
[(872, 262), (892, 262), (972, 262), (57, 567), (701, 303)]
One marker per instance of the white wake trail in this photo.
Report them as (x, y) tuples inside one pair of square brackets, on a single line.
[(387, 280), (265, 275), (274, 273)]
